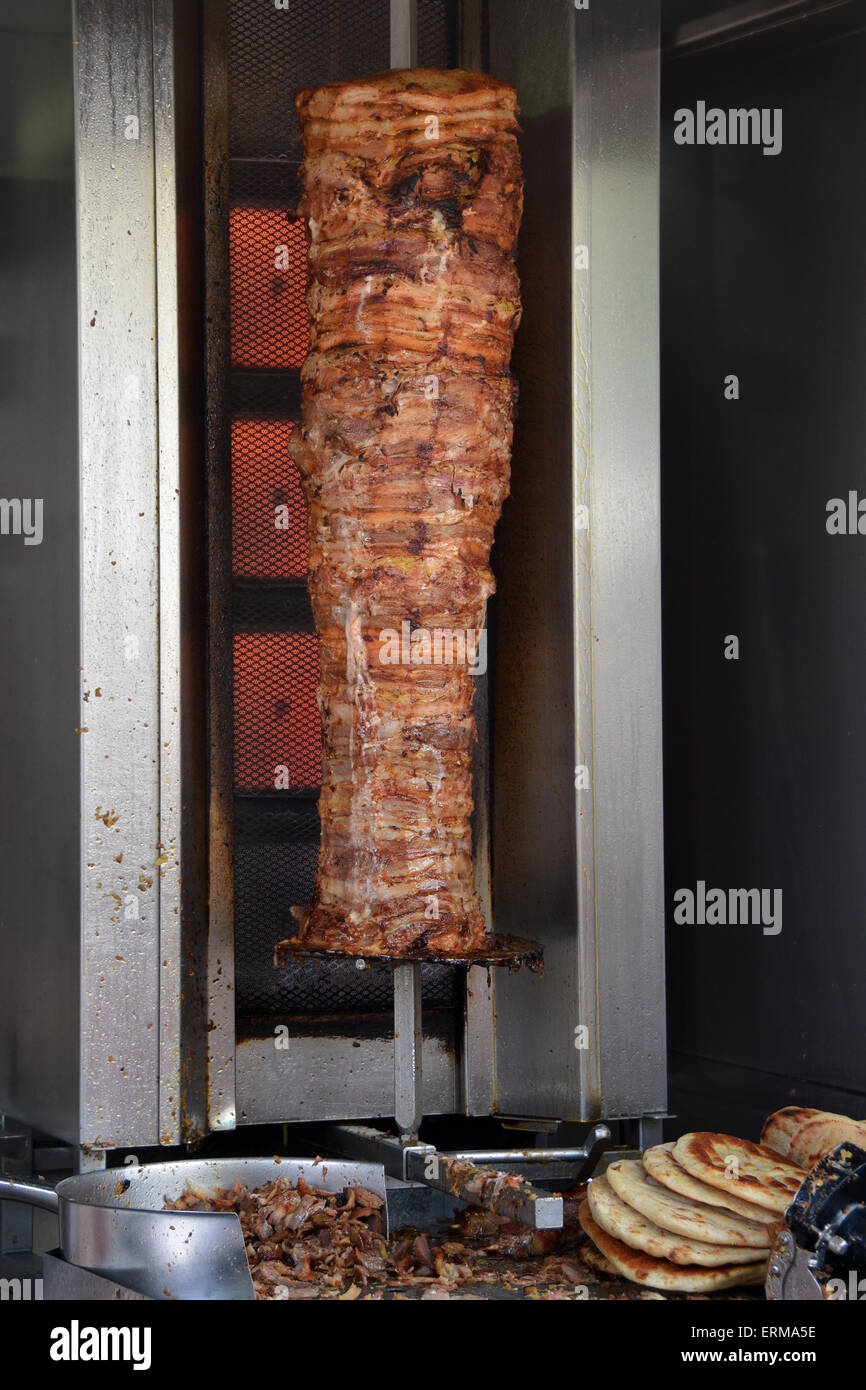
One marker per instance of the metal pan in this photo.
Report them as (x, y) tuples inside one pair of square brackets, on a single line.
[(114, 1222)]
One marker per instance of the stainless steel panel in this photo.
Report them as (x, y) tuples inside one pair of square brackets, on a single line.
[(39, 696), (182, 822), (471, 19), (408, 1051), (120, 796), (479, 1057), (577, 671), (404, 33), (333, 1079), (107, 791), (64, 1283), (171, 983)]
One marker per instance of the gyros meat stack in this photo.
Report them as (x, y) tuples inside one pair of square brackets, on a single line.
[(692, 1217), (413, 196)]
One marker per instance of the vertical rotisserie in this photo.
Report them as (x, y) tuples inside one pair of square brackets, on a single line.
[(413, 195)]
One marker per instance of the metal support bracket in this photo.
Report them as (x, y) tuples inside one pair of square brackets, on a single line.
[(489, 1178), (789, 1272), (650, 1131)]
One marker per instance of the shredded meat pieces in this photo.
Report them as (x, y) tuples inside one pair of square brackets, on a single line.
[(304, 1242)]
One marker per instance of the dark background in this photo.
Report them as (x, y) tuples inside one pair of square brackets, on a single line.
[(765, 757)]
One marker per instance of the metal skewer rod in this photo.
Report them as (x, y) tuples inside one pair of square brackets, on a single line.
[(408, 1079), (484, 1187), (404, 33)]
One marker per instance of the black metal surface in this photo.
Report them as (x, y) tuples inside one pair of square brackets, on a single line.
[(269, 182), (276, 847), (761, 26), (40, 745), (765, 756), (828, 1214)]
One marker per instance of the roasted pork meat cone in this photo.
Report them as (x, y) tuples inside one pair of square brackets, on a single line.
[(412, 195)]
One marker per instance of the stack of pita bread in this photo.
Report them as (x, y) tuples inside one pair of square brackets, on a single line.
[(695, 1216), (701, 1214), (805, 1136)]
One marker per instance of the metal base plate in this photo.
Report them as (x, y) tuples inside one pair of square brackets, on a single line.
[(514, 952)]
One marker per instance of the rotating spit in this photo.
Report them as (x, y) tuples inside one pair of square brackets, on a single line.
[(476, 1178), (470, 1176)]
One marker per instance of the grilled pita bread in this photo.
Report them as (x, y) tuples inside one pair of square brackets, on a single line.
[(763, 1176), (821, 1135), (683, 1215), (781, 1127), (810, 1134), (661, 1274), (624, 1223), (594, 1259), (664, 1169)]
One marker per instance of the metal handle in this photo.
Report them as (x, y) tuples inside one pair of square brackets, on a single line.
[(34, 1191)]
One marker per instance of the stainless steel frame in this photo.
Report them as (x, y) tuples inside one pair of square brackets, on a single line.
[(120, 650), (577, 669), (127, 1021), (141, 759), (143, 1046)]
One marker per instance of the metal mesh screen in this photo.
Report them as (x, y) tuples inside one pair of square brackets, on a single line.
[(269, 323), (437, 34), (278, 744), (276, 846), (276, 47), (269, 515), (274, 52)]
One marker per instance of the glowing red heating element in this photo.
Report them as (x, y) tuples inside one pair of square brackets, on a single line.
[(269, 514), (277, 731), (267, 288)]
